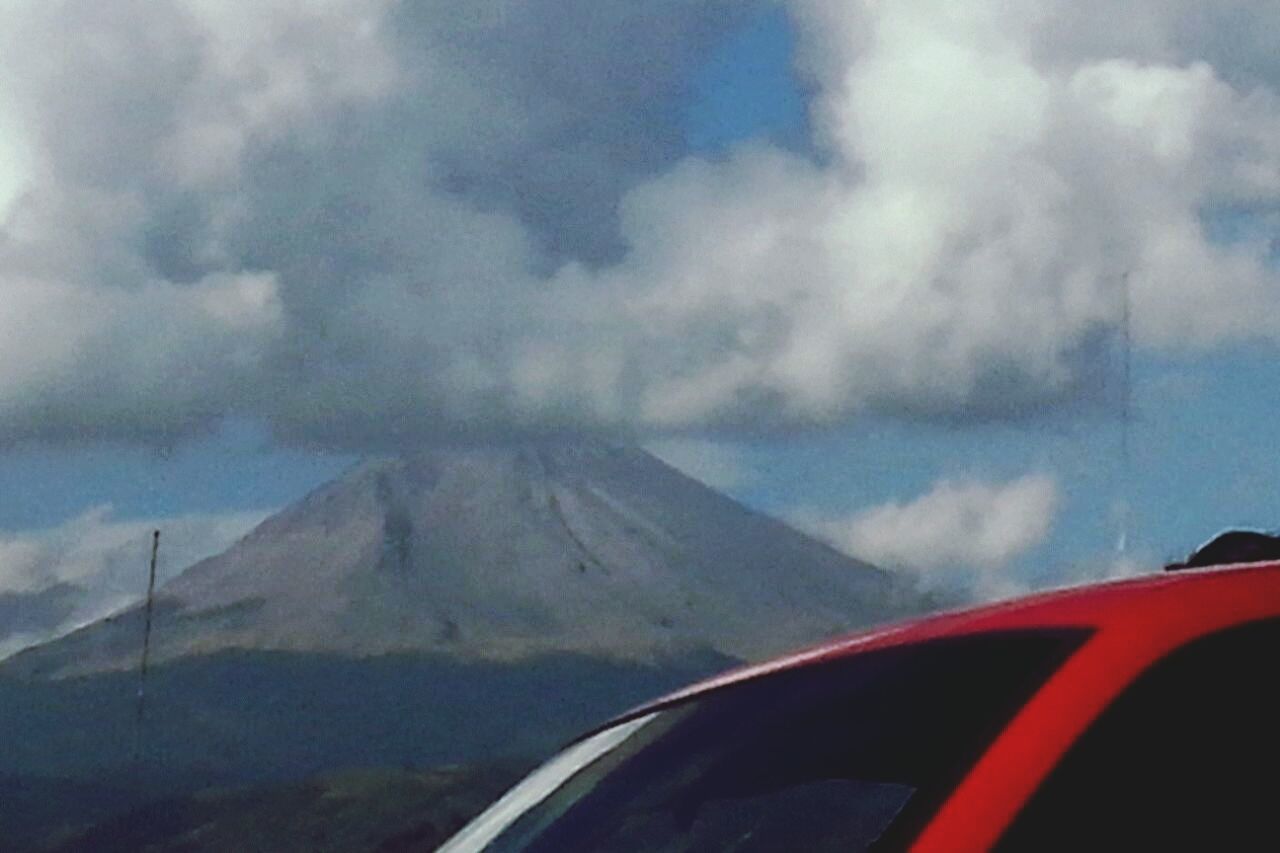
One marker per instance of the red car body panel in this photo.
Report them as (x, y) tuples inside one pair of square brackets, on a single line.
[(1134, 623)]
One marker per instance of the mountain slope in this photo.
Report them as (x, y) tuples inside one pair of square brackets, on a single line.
[(502, 555), (382, 810)]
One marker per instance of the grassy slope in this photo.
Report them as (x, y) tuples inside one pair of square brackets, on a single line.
[(367, 810), (238, 719)]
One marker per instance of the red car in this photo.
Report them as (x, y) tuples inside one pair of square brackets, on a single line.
[(1133, 715)]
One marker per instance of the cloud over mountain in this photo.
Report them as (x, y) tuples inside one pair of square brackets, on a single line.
[(55, 579), (959, 534), (366, 222)]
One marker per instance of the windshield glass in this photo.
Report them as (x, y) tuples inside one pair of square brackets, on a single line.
[(836, 756)]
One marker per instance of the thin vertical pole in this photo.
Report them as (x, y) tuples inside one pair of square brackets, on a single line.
[(146, 648), (1126, 414)]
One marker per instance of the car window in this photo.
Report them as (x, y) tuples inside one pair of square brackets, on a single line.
[(1186, 758), (833, 756)]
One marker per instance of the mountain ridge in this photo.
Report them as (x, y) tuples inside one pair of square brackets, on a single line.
[(501, 554)]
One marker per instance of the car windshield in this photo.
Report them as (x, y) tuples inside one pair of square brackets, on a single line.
[(840, 755)]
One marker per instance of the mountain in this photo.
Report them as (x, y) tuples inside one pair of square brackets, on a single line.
[(451, 607), (501, 555)]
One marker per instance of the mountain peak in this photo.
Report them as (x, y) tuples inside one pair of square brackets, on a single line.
[(503, 554)]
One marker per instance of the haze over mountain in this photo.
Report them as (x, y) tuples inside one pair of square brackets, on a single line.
[(502, 555)]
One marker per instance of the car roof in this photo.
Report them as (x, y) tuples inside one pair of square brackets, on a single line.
[(1131, 624), (1166, 608)]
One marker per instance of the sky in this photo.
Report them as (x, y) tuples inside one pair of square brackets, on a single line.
[(862, 265)]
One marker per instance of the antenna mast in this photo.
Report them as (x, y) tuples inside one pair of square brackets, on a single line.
[(1126, 413), (146, 649)]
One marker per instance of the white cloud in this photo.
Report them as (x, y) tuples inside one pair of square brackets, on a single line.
[(959, 533), (95, 563), (12, 643), (964, 247), (368, 222), (14, 169)]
